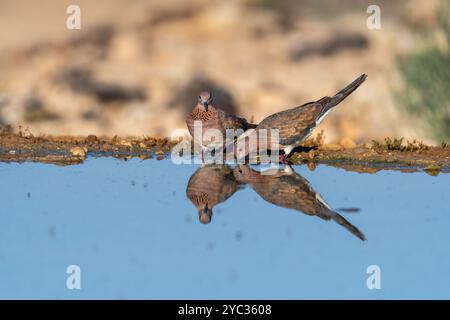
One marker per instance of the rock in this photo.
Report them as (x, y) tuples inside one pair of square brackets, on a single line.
[(331, 46), (78, 152), (81, 80), (36, 112), (433, 170), (92, 138), (347, 143), (312, 166), (126, 143)]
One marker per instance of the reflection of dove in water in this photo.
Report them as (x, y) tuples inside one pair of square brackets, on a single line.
[(296, 124), (212, 117), (208, 186), (289, 189)]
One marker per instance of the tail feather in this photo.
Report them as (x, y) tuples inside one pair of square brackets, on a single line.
[(330, 102), (347, 225)]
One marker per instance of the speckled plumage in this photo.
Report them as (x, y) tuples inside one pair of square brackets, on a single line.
[(290, 190), (212, 117), (296, 124), (208, 186)]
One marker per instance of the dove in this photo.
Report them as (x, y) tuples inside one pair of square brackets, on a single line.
[(288, 189), (212, 117), (295, 125), (209, 186)]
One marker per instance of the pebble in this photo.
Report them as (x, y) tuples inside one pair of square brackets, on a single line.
[(78, 152), (92, 138), (312, 166), (126, 143)]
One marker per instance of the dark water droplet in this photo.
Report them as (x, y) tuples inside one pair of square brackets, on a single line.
[(350, 209)]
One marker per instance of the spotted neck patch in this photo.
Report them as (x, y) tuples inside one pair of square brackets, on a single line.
[(200, 199), (203, 115)]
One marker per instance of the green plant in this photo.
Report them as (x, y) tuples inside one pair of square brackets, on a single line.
[(426, 76), (396, 144)]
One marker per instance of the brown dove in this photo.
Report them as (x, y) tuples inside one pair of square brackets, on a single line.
[(288, 189), (296, 124), (212, 117), (209, 186)]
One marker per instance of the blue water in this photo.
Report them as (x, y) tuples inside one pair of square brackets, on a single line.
[(134, 234)]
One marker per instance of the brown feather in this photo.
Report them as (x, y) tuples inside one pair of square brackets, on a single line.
[(291, 190)]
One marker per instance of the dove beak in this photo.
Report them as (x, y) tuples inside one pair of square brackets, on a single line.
[(205, 104)]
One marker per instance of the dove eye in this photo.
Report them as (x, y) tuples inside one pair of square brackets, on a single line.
[(240, 170)]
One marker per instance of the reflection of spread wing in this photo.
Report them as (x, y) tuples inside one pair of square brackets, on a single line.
[(295, 124)]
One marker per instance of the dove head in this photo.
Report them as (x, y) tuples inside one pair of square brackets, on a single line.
[(205, 99), (205, 214), (242, 173)]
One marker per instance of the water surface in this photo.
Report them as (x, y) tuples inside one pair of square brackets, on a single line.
[(134, 233)]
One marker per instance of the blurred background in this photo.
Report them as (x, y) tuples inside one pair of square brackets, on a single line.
[(136, 67)]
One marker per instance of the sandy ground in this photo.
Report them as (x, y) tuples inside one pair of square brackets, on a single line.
[(361, 158), (135, 68)]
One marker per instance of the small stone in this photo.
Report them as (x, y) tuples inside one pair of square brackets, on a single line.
[(159, 152), (78, 152), (347, 143), (312, 166), (311, 154), (144, 156), (92, 138), (433, 167), (27, 134), (126, 143)]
